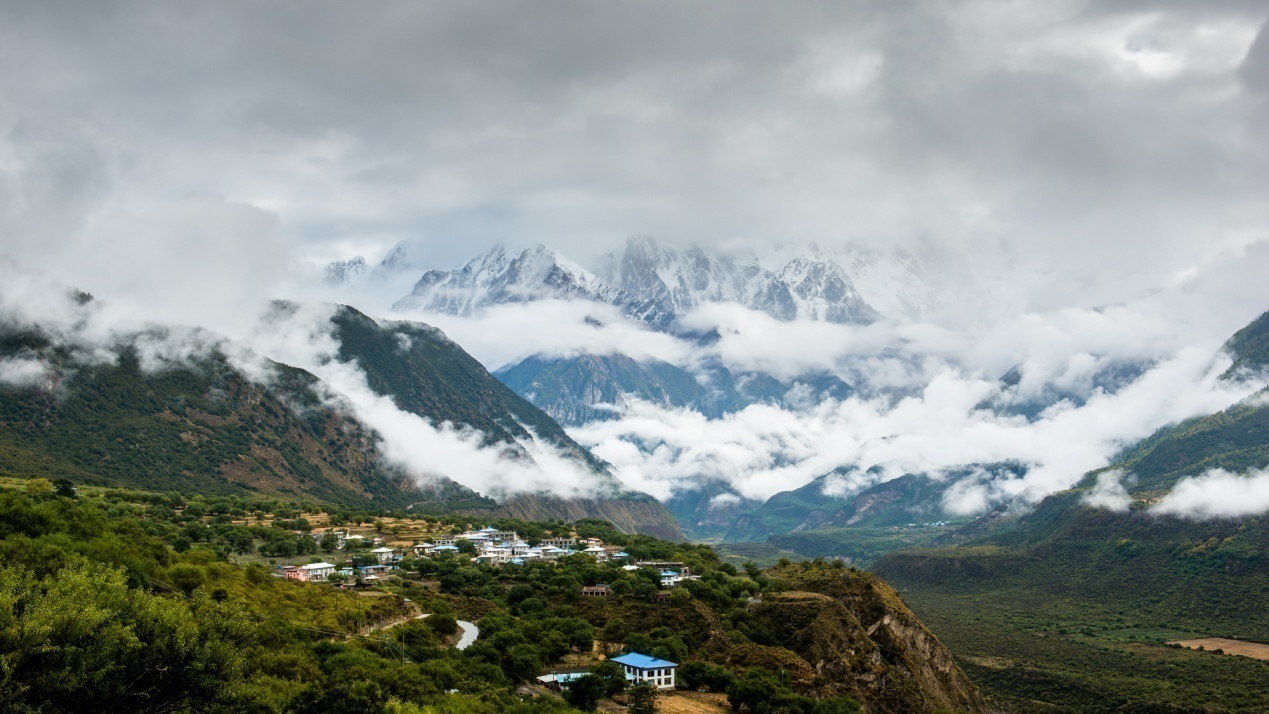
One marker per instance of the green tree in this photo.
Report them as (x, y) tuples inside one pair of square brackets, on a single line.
[(187, 578), (443, 625), (612, 675), (756, 687), (642, 699), (37, 486), (585, 692), (330, 542), (81, 640)]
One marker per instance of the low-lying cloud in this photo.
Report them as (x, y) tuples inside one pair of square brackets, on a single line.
[(1109, 492), (948, 423), (427, 451), (171, 319), (1217, 494)]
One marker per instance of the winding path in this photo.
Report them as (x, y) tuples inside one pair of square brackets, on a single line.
[(470, 633)]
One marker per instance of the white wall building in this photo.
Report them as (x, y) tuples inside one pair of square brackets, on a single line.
[(316, 572), (642, 668)]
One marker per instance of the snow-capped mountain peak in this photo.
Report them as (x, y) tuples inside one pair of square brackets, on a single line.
[(495, 278), (651, 280)]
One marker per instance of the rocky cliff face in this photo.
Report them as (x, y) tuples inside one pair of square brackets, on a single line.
[(857, 637), (832, 631)]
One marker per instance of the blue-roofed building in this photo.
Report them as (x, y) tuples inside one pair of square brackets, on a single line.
[(642, 668)]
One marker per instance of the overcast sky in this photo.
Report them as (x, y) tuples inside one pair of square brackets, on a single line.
[(1119, 145), (188, 161)]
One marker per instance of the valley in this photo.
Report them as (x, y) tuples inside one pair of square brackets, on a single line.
[(433, 357)]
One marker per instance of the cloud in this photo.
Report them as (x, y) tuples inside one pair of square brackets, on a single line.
[(1217, 494), (257, 332), (22, 372), (303, 336), (186, 165), (1008, 135), (1109, 492), (508, 333), (948, 423)]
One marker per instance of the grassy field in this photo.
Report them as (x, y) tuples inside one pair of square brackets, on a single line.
[(1033, 654)]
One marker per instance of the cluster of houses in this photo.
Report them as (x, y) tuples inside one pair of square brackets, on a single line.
[(321, 572), (492, 546), (497, 547)]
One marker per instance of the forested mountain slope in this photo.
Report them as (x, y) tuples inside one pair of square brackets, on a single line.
[(199, 424), (200, 427), (1109, 587)]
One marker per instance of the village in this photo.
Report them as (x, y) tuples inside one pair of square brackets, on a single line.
[(370, 559)]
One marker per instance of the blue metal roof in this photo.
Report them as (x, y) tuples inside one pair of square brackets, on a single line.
[(642, 661)]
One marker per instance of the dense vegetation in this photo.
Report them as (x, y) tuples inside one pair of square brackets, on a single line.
[(428, 374), (169, 412), (860, 526), (1236, 439), (131, 601), (1072, 606), (198, 426), (1249, 347)]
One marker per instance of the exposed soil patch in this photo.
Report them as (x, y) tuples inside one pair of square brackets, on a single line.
[(681, 702), (1229, 647)]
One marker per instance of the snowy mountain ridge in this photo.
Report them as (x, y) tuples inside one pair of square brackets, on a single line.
[(650, 280)]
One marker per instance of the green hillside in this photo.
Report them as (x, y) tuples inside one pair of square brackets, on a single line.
[(430, 375), (574, 391), (1072, 605), (1236, 439), (198, 428), (133, 601), (1250, 347), (862, 526)]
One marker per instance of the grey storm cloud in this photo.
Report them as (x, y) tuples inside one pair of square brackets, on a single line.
[(1117, 144), (187, 162)]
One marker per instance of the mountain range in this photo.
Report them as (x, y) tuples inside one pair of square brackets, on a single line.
[(651, 281), (203, 424)]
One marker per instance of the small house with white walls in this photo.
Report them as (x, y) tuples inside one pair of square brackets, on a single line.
[(317, 572), (642, 668)]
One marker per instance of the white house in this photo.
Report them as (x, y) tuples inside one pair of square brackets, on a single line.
[(597, 551), (642, 668), (669, 578), (421, 549), (316, 572), (494, 554), (383, 555)]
